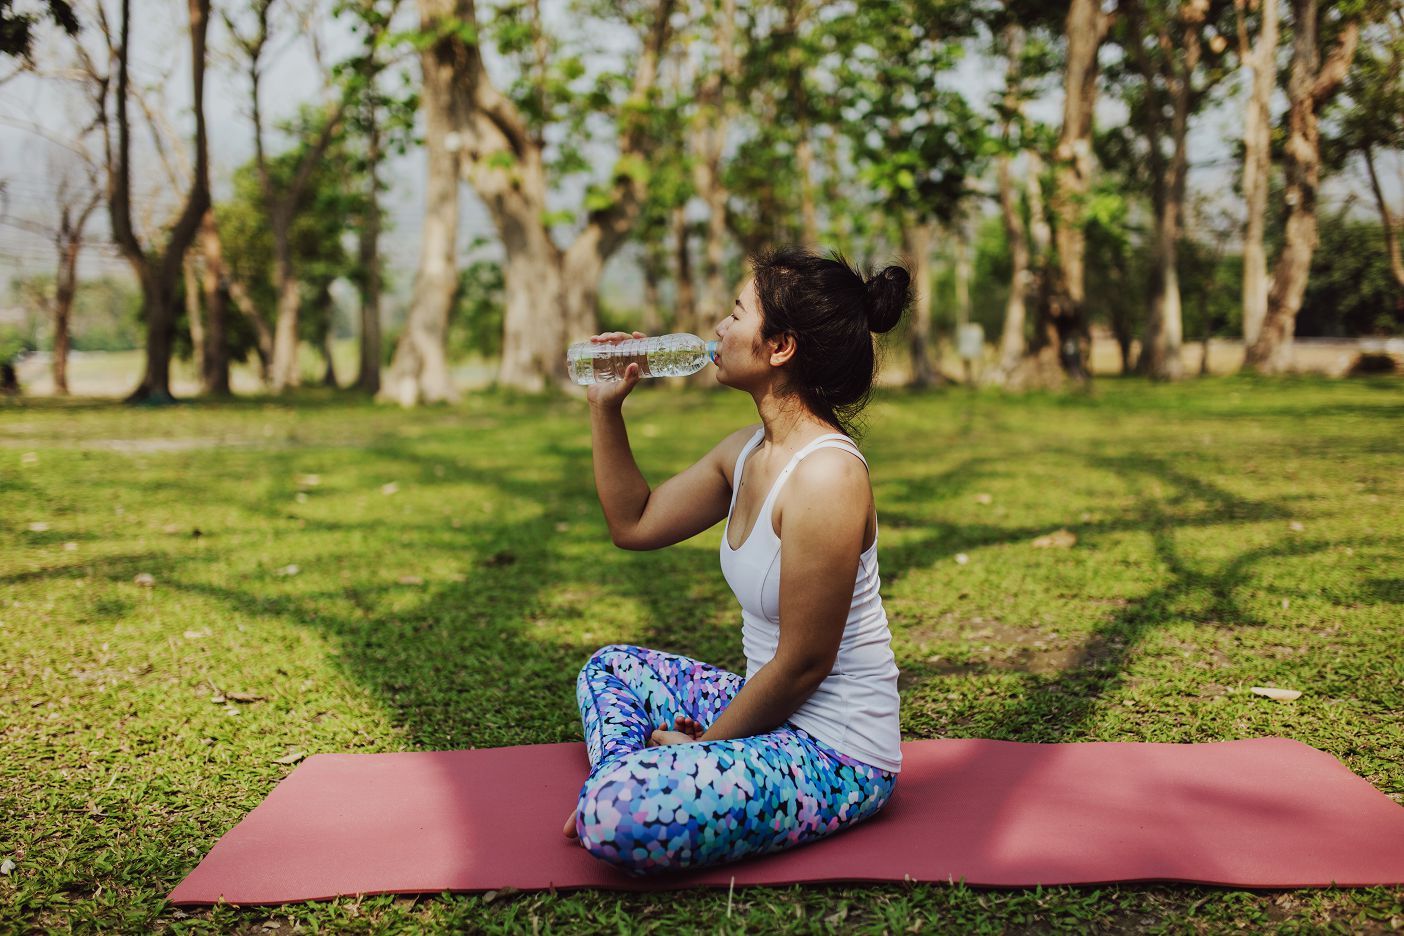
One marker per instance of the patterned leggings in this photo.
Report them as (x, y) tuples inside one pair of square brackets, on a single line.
[(650, 809)]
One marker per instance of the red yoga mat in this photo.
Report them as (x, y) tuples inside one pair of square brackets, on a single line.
[(1264, 813)]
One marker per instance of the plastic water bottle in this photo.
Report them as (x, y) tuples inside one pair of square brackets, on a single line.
[(665, 356)]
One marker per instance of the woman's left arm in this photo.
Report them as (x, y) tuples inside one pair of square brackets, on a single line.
[(825, 516)]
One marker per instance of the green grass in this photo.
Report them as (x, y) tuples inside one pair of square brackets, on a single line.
[(1230, 533)]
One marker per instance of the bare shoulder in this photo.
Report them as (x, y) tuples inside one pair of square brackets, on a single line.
[(831, 472)]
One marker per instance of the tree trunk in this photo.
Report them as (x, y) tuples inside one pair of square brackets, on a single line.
[(1011, 342), (1309, 87), (653, 265), (327, 313), (215, 375), (65, 287), (686, 300), (1085, 28), (264, 335), (1260, 61), (419, 370), (916, 244), (191, 282), (1396, 265), (286, 370), (368, 256), (157, 273)]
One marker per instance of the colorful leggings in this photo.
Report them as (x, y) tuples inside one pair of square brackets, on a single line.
[(650, 809)]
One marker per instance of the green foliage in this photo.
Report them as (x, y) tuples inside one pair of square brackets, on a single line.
[(336, 192), (1350, 290), (475, 326)]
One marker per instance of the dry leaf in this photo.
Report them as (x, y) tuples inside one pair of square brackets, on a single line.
[(217, 698), (291, 757), (40, 527), (288, 570), (145, 579), (200, 634), (6, 866), (309, 480), (388, 489), (1282, 695), (29, 458), (243, 697), (1296, 526), (984, 499), (70, 547), (411, 580), (961, 558), (1058, 539), (492, 895)]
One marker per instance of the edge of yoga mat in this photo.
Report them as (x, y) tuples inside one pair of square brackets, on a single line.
[(989, 813)]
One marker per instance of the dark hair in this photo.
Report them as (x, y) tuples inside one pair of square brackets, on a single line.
[(831, 309)]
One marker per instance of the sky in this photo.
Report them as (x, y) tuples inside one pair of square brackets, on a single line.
[(36, 110)]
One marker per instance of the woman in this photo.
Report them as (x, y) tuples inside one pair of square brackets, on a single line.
[(693, 765)]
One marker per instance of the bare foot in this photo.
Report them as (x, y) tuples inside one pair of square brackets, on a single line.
[(569, 829)]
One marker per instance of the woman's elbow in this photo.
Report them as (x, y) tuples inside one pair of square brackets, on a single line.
[(628, 540)]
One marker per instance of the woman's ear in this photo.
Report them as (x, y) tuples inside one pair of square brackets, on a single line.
[(783, 347)]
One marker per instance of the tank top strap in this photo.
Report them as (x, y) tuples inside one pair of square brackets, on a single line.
[(831, 440), (741, 464)]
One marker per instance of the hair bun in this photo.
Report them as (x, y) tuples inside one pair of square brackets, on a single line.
[(889, 294)]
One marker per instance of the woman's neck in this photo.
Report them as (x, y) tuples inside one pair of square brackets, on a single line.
[(786, 421)]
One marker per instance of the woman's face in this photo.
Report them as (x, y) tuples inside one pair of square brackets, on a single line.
[(741, 355)]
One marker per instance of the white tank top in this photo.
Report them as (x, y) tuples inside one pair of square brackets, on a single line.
[(855, 709)]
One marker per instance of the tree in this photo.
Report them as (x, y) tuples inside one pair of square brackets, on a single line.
[(1167, 42), (1259, 60), (158, 270), (496, 141), (17, 29), (916, 141), (1060, 331), (1370, 119), (1311, 85), (282, 198)]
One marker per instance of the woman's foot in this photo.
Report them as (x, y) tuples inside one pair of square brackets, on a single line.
[(569, 829)]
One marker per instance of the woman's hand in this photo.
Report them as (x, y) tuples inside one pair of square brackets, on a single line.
[(611, 393)]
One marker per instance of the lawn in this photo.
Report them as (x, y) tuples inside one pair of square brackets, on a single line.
[(370, 579)]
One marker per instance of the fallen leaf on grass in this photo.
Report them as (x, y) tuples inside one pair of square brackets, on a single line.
[(70, 547), (309, 480), (1058, 539), (388, 489), (39, 527), (1296, 526), (291, 758), (6, 866), (145, 580), (961, 558), (411, 580), (243, 697), (200, 634), (1282, 695), (288, 570), (984, 499), (218, 698), (29, 458), (492, 895)]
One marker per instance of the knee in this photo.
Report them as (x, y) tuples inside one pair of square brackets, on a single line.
[(601, 658), (621, 824)]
